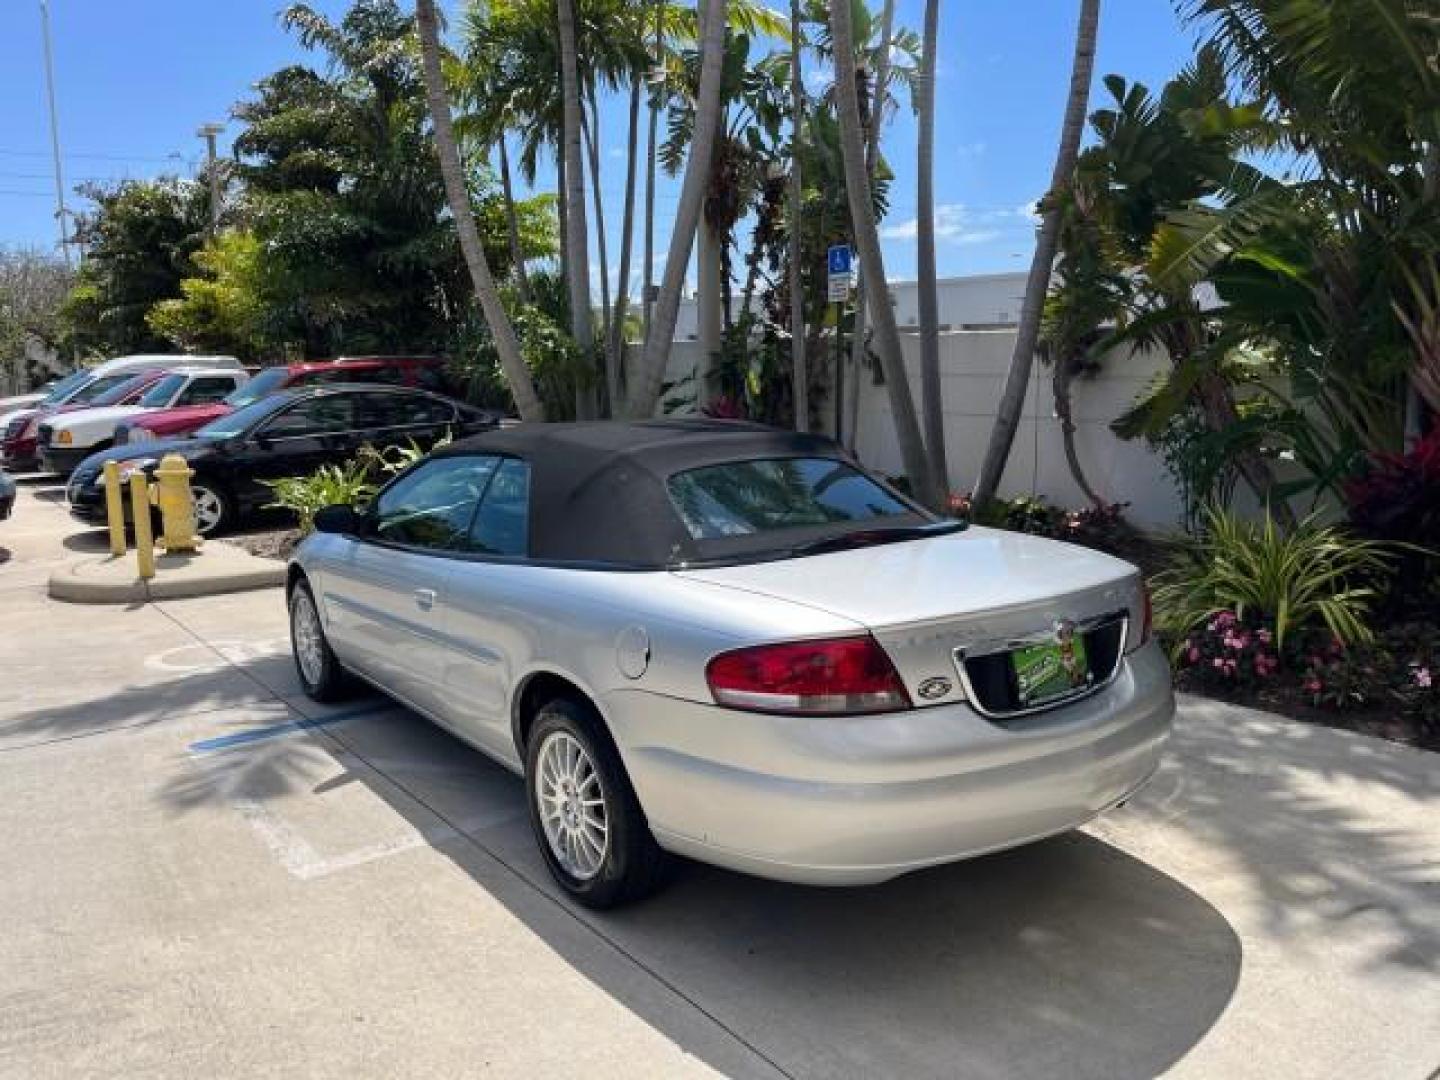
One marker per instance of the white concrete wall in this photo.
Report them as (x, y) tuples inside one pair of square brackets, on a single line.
[(973, 366)]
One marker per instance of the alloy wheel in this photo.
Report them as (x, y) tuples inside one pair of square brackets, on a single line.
[(308, 637), (571, 802), (209, 509)]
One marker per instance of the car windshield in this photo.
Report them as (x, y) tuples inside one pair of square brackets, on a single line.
[(241, 420), (61, 391), (266, 382), (92, 391), (117, 394), (744, 498), (161, 393)]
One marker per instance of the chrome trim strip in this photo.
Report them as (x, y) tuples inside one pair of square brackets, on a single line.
[(1084, 627)]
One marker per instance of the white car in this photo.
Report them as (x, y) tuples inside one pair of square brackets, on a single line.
[(69, 438)]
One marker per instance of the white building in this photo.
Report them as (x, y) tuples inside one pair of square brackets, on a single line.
[(976, 302)]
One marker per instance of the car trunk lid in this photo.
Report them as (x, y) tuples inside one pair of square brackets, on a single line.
[(934, 602)]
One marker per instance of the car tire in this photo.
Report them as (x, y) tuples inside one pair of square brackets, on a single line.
[(214, 506), (320, 673), (568, 826)]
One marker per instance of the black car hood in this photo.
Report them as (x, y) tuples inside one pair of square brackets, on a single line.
[(189, 449)]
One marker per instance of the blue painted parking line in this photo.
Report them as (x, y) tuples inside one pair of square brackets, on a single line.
[(290, 727)]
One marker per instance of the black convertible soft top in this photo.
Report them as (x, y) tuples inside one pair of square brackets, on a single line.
[(597, 490)]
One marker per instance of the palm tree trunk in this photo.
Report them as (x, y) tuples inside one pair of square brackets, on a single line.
[(1012, 401), (577, 239), (646, 302), (615, 370), (507, 345), (800, 373), (590, 126), (932, 405), (1061, 382), (645, 390), (512, 223), (867, 240), (873, 122)]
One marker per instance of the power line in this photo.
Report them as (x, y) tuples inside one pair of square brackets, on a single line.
[(95, 157)]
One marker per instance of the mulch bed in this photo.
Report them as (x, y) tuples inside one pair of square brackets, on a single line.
[(271, 544)]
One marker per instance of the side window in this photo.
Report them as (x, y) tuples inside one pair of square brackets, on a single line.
[(405, 410), (205, 389), (429, 377), (432, 506), (389, 374), (316, 416), (502, 527)]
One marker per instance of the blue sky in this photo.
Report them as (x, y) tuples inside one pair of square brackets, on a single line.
[(135, 79)]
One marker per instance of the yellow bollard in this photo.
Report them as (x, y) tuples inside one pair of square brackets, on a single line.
[(115, 508), (144, 537), (177, 504)]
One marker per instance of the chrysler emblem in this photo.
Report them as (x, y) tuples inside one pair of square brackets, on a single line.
[(933, 689)]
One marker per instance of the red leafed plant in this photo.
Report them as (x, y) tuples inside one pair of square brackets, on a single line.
[(1398, 499)]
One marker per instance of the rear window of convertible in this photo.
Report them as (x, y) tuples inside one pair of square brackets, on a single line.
[(743, 498)]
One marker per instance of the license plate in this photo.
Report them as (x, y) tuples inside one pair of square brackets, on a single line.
[(1046, 672)]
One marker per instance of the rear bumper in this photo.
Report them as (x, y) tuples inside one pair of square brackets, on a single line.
[(849, 801)]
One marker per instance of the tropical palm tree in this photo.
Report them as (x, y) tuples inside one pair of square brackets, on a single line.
[(932, 406), (644, 391), (512, 364), (1012, 400), (872, 263)]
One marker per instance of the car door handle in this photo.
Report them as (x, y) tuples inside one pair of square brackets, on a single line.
[(425, 599)]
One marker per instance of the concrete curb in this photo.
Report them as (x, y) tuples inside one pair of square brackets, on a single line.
[(107, 579)]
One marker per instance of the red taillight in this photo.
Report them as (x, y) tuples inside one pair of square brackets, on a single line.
[(831, 677)]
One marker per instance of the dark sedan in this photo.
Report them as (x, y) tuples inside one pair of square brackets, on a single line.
[(291, 433)]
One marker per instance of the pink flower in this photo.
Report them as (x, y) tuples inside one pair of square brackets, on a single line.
[(1217, 664), (1313, 686), (1193, 655), (1263, 636), (1423, 678)]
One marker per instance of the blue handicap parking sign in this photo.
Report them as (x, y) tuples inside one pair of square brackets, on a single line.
[(840, 259)]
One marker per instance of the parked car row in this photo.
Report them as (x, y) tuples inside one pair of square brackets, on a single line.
[(134, 399), (112, 383)]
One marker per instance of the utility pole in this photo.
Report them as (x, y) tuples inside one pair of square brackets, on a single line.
[(208, 133), (54, 130)]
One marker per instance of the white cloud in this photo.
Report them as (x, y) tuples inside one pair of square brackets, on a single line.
[(955, 223)]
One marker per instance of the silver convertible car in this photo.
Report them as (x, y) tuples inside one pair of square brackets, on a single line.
[(733, 643)]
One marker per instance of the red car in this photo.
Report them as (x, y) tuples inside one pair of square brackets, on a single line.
[(425, 372), (19, 443)]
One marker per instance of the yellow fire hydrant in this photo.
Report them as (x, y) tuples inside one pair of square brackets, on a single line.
[(177, 505)]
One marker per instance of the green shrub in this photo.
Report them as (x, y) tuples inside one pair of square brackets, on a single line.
[(330, 485), (1315, 576), (394, 460)]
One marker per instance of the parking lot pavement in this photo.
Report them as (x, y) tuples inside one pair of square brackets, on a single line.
[(209, 875)]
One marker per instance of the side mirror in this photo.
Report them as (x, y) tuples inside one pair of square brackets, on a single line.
[(343, 519)]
